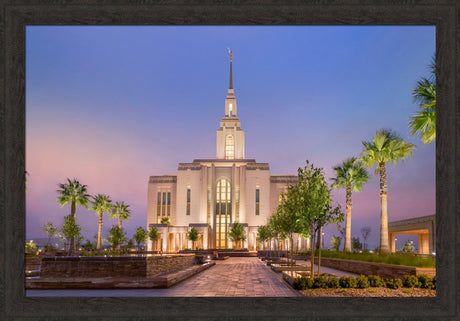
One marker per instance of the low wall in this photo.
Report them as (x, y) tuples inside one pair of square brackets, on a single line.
[(370, 268), (366, 268), (123, 266)]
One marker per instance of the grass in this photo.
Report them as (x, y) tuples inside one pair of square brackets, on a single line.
[(392, 258)]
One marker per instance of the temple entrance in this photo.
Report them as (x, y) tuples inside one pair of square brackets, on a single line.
[(223, 214)]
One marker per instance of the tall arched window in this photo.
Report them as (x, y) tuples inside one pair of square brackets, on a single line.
[(229, 147), (223, 212)]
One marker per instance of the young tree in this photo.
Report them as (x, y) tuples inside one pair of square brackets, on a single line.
[(193, 236), (356, 244), (352, 175), (73, 193), (408, 247), (365, 233), (130, 244), (140, 237), (70, 229), (263, 235), (335, 242), (51, 231), (30, 247), (237, 234), (314, 206), (101, 204), (424, 122), (385, 147), (88, 246), (154, 236), (116, 237)]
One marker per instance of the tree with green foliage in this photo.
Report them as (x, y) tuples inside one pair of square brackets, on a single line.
[(101, 204), (424, 122), (51, 231), (165, 220), (116, 237), (73, 193), (30, 247), (386, 146), (193, 236), (120, 211), (335, 242), (88, 246), (140, 236), (70, 229), (154, 236), (263, 235), (352, 175), (130, 244), (356, 244), (408, 247), (314, 206), (237, 235)]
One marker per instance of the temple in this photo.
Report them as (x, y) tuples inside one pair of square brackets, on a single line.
[(211, 194)]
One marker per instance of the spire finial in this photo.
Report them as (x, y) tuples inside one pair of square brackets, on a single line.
[(231, 75)]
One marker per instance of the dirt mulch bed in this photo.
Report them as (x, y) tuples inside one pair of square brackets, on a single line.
[(370, 292)]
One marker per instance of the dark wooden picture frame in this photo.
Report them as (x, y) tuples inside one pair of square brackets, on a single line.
[(16, 15)]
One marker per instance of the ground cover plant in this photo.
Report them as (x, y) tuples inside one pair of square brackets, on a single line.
[(363, 282), (393, 258)]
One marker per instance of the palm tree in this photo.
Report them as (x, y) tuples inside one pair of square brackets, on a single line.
[(424, 122), (120, 211), (352, 175), (74, 193), (386, 146), (101, 203)]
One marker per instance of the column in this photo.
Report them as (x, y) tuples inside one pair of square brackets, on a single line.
[(391, 238)]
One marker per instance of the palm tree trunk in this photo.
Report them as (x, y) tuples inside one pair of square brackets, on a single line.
[(73, 211), (347, 247), (384, 246), (119, 225), (99, 233)]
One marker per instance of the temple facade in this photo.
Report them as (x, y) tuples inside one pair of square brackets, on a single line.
[(211, 194)]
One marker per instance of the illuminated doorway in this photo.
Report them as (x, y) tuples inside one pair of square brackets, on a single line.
[(223, 213)]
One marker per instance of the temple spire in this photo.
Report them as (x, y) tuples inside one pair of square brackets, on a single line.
[(231, 75)]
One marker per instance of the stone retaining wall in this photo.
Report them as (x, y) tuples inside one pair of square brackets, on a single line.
[(367, 268), (123, 266)]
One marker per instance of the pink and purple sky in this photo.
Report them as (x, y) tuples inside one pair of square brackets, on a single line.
[(112, 105)]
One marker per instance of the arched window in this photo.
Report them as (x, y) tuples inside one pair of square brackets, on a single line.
[(229, 147)]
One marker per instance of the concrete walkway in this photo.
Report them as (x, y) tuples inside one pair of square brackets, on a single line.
[(236, 276)]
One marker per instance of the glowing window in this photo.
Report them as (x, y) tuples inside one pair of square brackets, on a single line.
[(229, 147)]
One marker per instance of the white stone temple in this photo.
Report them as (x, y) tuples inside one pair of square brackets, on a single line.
[(211, 194)]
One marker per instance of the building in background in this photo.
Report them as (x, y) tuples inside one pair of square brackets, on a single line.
[(212, 194)]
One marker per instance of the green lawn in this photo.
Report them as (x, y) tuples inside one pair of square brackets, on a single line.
[(393, 258)]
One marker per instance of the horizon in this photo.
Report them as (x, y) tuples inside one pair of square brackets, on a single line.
[(105, 105)]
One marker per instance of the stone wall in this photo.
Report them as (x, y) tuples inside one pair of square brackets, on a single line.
[(162, 264), (371, 268), (113, 266)]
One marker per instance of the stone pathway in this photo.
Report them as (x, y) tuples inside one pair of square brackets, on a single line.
[(236, 276)]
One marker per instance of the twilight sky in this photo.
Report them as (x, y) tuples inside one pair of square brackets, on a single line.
[(112, 105)]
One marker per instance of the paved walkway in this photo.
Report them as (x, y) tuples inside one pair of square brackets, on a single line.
[(245, 276)]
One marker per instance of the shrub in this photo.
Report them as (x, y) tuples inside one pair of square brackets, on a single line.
[(320, 282), (333, 282), (375, 281), (410, 281), (362, 282), (302, 283), (434, 282), (394, 283), (347, 282), (425, 282)]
